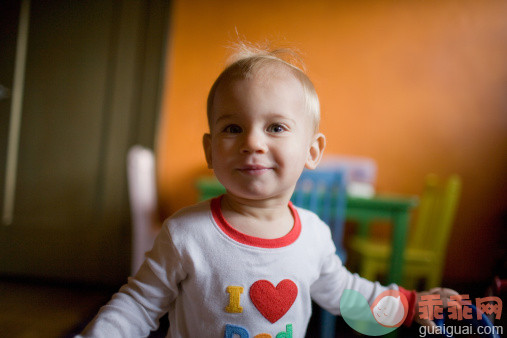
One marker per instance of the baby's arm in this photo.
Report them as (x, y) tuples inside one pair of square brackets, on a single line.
[(135, 310), (334, 279)]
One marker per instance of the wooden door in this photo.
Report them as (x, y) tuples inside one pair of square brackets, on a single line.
[(91, 90)]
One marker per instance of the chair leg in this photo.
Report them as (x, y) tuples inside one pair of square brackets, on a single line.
[(327, 324), (434, 277), (410, 282), (369, 269), (353, 261)]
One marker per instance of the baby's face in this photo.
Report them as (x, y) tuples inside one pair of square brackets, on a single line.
[(260, 137)]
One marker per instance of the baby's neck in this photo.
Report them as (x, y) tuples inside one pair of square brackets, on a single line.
[(263, 219)]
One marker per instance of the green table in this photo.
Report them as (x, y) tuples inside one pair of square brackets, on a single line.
[(394, 208)]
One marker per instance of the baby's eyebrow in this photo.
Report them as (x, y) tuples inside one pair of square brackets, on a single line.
[(274, 117), (224, 117), (283, 117)]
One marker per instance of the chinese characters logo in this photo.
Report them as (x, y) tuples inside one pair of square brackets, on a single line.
[(431, 307)]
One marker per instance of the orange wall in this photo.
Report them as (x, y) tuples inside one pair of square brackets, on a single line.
[(418, 86)]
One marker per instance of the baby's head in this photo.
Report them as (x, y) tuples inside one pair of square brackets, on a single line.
[(250, 61), (263, 115)]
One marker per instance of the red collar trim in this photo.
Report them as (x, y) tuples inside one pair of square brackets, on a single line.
[(240, 237)]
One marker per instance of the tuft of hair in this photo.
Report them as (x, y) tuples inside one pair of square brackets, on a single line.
[(248, 60), (245, 50)]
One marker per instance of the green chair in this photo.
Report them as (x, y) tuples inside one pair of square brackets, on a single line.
[(424, 256)]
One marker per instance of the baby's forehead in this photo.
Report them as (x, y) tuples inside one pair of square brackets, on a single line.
[(281, 86), (260, 74)]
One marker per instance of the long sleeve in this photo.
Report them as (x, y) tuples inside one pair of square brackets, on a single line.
[(335, 278), (135, 310)]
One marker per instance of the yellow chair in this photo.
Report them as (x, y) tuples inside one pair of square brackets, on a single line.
[(424, 256)]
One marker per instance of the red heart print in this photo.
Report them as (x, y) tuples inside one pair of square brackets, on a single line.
[(273, 303)]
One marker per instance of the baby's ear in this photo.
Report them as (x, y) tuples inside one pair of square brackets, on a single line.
[(316, 150), (206, 144)]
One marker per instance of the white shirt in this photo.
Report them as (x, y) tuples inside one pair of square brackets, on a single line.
[(215, 281)]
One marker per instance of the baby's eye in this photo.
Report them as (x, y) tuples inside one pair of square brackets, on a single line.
[(277, 128), (233, 129)]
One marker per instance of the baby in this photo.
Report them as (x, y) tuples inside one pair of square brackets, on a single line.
[(248, 263)]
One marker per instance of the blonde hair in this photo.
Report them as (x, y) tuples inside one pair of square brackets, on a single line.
[(249, 60)]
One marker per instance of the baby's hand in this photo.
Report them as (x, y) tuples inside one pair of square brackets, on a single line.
[(445, 296)]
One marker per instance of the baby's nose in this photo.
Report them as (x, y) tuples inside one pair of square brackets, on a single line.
[(254, 142)]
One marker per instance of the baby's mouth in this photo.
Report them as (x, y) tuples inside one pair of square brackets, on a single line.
[(254, 169)]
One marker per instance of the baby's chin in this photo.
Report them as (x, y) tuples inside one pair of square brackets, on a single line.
[(255, 196)]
